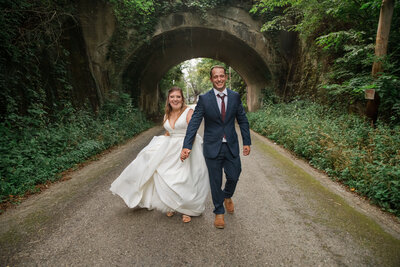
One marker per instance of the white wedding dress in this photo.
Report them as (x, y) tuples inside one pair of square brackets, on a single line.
[(158, 179)]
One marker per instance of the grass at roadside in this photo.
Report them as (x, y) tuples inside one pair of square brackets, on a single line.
[(345, 146), (38, 152)]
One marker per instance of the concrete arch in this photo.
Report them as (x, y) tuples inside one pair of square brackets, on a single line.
[(231, 36)]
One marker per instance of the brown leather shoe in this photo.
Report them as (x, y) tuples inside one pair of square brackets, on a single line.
[(219, 221), (230, 208)]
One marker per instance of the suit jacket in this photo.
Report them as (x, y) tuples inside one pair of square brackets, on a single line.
[(214, 127)]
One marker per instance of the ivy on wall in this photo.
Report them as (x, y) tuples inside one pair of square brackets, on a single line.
[(33, 77)]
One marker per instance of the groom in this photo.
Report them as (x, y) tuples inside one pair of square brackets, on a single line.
[(220, 107)]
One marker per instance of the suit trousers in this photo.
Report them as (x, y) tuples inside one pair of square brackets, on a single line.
[(232, 168)]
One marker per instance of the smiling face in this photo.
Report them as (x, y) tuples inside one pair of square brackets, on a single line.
[(175, 100), (218, 78)]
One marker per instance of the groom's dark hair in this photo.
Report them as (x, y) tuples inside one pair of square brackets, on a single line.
[(217, 67)]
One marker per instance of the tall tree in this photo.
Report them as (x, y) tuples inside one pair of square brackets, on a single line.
[(382, 39)]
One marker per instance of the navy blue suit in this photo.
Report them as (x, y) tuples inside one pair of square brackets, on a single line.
[(219, 155)]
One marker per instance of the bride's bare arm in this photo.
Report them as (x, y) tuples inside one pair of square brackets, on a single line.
[(166, 132), (189, 115)]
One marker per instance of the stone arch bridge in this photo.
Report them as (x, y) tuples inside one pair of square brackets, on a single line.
[(229, 34)]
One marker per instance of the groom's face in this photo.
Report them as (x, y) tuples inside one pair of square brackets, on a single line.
[(218, 78)]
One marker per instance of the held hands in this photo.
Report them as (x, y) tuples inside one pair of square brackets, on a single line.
[(185, 154), (246, 150)]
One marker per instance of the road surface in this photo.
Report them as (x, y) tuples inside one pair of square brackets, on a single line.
[(287, 214)]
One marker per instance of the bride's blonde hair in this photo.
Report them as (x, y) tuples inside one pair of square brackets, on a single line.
[(168, 108)]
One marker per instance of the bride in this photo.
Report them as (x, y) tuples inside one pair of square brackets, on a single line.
[(157, 178)]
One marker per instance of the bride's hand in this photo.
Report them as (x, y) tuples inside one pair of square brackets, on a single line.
[(185, 154), (166, 133)]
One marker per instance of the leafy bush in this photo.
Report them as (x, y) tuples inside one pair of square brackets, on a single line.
[(345, 33), (344, 146), (33, 155), (352, 75)]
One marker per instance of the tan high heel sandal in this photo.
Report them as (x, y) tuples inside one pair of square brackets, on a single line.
[(186, 218), (170, 213)]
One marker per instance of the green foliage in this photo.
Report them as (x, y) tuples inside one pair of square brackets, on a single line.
[(137, 20), (344, 146), (198, 6), (346, 32), (174, 77), (263, 6), (202, 70), (34, 81), (337, 41), (201, 5), (313, 18), (44, 131), (33, 155), (134, 13), (388, 88), (352, 74), (199, 77)]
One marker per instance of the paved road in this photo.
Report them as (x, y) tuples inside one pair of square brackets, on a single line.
[(287, 214)]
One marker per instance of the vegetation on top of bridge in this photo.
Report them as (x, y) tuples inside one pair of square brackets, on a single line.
[(143, 15)]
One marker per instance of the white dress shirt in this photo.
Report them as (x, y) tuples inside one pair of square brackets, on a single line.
[(219, 102)]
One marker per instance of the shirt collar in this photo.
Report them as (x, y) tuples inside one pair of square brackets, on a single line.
[(216, 92)]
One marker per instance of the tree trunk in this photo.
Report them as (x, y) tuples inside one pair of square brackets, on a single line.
[(382, 38), (382, 35)]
